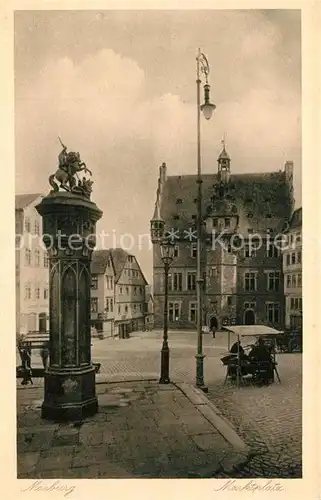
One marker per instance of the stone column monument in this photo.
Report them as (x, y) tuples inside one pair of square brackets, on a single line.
[(69, 226)]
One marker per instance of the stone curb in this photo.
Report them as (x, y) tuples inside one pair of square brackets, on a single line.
[(101, 379), (116, 379), (212, 414)]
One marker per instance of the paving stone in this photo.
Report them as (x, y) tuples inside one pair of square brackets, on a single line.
[(54, 462), (26, 462), (88, 455), (93, 438), (66, 436), (121, 390), (209, 441), (194, 425)]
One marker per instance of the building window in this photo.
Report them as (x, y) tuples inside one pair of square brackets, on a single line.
[(273, 281), (46, 293), (111, 305), (37, 228), (135, 290), (299, 257), (176, 251), (227, 222), (108, 263), (215, 222), (272, 312), (27, 257), (229, 248), (94, 282), (293, 258), (37, 292), (288, 259), (174, 311), (249, 305), (230, 300), (111, 282), (294, 283), (250, 281), (126, 309), (249, 250), (127, 290), (37, 258), (272, 251), (194, 250), (299, 279), (289, 281), (28, 291), (94, 304), (27, 225), (119, 309), (107, 305), (191, 281), (46, 260), (141, 290), (192, 313), (121, 290), (177, 282)]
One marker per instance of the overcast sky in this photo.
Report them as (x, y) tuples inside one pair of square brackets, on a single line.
[(119, 87)]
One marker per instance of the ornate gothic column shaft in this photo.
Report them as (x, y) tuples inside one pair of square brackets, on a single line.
[(69, 226)]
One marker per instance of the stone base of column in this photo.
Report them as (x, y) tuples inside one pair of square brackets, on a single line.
[(69, 395)]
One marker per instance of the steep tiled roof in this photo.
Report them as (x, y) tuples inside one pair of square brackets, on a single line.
[(296, 220), (119, 257), (99, 261), (261, 194), (23, 200)]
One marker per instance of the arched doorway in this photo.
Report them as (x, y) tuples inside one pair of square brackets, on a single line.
[(249, 317), (213, 323)]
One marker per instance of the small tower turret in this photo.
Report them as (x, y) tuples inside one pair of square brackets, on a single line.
[(224, 166)]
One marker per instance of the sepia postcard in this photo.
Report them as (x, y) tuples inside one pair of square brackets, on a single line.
[(161, 159)]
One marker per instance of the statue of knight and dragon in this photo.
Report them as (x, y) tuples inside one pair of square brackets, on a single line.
[(66, 176)]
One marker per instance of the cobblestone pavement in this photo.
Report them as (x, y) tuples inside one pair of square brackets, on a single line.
[(142, 430), (269, 418)]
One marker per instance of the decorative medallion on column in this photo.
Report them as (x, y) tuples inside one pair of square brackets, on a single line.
[(69, 221)]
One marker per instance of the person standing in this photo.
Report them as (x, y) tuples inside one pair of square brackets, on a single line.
[(44, 353), (26, 366)]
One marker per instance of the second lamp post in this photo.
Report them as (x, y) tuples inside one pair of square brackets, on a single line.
[(167, 253), (207, 108)]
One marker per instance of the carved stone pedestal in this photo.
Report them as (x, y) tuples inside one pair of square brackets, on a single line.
[(69, 226)]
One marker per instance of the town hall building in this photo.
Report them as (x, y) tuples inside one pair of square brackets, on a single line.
[(243, 216)]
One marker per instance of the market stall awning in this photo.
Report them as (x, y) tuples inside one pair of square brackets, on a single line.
[(252, 330)]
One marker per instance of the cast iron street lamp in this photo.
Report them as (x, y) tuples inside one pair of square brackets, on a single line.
[(207, 108), (167, 252)]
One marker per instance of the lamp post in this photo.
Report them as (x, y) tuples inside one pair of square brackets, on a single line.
[(207, 108), (167, 252)]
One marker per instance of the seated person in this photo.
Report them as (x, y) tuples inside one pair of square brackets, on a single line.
[(236, 347), (260, 353)]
